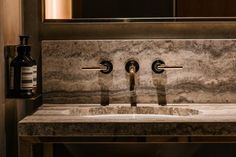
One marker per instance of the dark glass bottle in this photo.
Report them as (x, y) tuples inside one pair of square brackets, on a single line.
[(33, 61), (21, 69)]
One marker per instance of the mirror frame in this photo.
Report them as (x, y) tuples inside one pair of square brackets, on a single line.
[(74, 30), (131, 19)]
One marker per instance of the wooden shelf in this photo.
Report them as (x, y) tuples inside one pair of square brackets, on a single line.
[(35, 97)]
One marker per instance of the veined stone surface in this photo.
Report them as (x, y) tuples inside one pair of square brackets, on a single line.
[(70, 120), (208, 74)]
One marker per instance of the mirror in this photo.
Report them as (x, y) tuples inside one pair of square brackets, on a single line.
[(128, 10)]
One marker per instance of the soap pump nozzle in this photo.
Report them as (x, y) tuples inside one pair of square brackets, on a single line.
[(21, 40), (24, 39)]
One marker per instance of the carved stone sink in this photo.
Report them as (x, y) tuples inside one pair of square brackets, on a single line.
[(128, 111)]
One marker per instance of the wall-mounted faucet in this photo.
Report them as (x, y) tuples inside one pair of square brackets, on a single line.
[(132, 67)]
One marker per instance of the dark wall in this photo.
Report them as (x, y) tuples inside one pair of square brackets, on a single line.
[(31, 26)]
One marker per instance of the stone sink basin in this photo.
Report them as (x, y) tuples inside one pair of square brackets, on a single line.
[(127, 111), (120, 111)]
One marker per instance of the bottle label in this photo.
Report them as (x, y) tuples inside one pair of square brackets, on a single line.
[(11, 77), (26, 78), (35, 76)]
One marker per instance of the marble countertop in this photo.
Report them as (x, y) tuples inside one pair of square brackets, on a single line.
[(61, 120)]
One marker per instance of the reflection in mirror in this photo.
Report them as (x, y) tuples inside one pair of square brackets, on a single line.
[(131, 9), (67, 9), (206, 8), (58, 9)]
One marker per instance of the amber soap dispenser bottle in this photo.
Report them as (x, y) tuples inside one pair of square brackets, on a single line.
[(21, 71), (33, 61)]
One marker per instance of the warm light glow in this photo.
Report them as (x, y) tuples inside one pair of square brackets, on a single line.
[(58, 9)]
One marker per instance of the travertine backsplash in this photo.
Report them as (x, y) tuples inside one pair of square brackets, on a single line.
[(208, 76)]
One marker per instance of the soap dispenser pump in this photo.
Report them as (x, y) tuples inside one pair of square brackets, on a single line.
[(21, 71)]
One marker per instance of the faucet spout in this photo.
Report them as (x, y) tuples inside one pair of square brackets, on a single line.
[(132, 71), (132, 67)]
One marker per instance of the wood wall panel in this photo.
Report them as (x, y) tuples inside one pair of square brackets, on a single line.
[(2, 145), (12, 21), (10, 28)]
